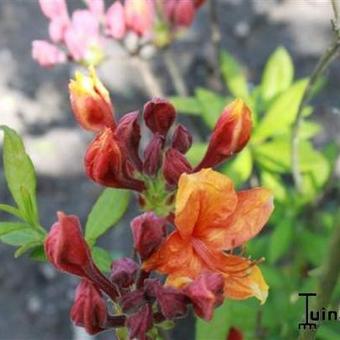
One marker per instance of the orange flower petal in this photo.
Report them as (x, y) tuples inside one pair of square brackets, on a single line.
[(204, 200), (253, 210), (176, 258), (243, 279), (250, 283)]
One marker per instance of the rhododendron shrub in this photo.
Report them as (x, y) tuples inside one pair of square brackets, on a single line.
[(192, 219), (83, 35)]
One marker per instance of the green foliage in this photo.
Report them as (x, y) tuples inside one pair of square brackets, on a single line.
[(294, 244), (234, 75), (20, 175), (26, 233), (102, 259), (277, 75), (106, 212)]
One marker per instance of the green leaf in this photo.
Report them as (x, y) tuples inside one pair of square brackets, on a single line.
[(102, 259), (211, 104), (231, 313), (239, 169), (23, 249), (8, 227), (313, 246), (186, 105), (309, 129), (196, 153), (21, 237), (274, 156), (20, 175), (106, 212), (281, 240), (281, 114), (234, 75), (278, 74), (274, 182), (11, 210), (38, 254)]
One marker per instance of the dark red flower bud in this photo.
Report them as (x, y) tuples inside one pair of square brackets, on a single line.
[(65, 246), (159, 115), (131, 301), (140, 322), (128, 136), (235, 334), (148, 233), (105, 163), (198, 3), (153, 155), (89, 309), (172, 302), (230, 135), (180, 13), (181, 139), (174, 165), (205, 293), (91, 102), (123, 272)]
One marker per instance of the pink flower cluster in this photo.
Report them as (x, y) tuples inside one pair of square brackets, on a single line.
[(80, 37)]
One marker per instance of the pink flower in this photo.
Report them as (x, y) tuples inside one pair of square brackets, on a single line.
[(53, 8), (115, 21), (139, 16), (82, 34), (96, 7), (46, 54)]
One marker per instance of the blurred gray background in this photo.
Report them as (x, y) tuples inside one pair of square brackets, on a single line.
[(34, 299)]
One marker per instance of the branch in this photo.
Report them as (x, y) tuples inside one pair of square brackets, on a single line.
[(320, 68), (151, 82), (175, 74), (328, 279), (215, 40)]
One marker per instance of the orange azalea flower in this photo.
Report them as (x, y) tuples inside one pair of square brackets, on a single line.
[(211, 218)]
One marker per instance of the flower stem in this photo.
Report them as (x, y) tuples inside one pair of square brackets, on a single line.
[(216, 37), (151, 82), (328, 279), (323, 63), (175, 74)]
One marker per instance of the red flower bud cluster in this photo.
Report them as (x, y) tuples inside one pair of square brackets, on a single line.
[(200, 273), (144, 302), (114, 159)]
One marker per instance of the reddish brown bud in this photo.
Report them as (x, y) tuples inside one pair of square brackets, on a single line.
[(65, 246), (206, 293), (148, 232), (89, 309), (181, 139), (175, 164), (105, 164), (128, 136), (180, 13), (235, 334), (230, 135), (123, 272), (131, 301), (91, 102), (140, 322), (172, 302), (159, 115), (153, 155)]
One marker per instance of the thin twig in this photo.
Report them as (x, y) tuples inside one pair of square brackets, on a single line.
[(175, 74), (216, 37), (328, 280), (151, 82), (320, 68)]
